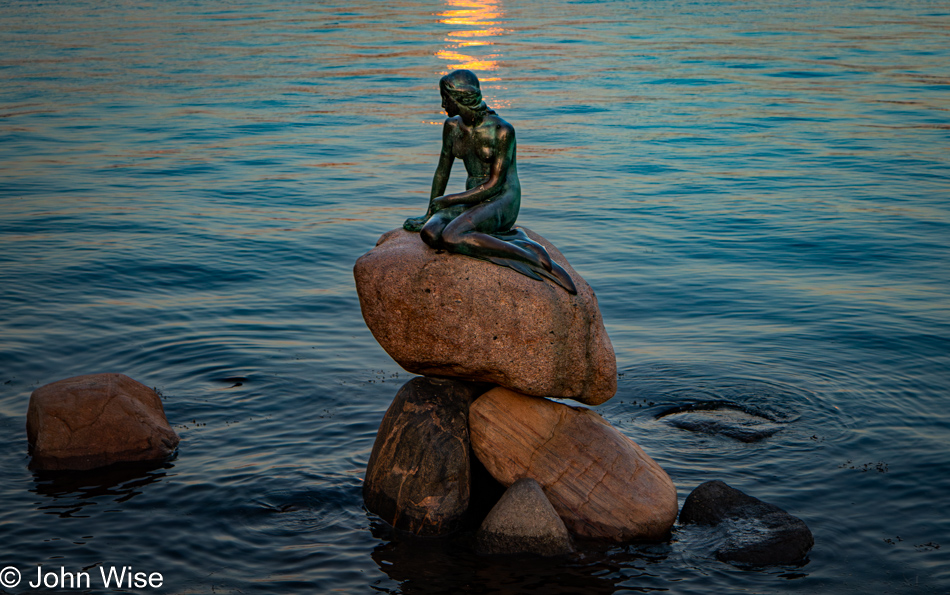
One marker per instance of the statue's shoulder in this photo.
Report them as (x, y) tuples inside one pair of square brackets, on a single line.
[(450, 131), (502, 128)]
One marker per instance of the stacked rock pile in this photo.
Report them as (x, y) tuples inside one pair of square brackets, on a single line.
[(493, 346)]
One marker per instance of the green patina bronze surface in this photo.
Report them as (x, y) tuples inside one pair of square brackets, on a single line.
[(478, 222)]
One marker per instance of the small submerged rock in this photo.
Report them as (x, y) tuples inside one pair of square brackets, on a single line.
[(523, 521), (754, 532), (722, 419), (95, 420)]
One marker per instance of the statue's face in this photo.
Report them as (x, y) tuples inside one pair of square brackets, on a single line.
[(448, 104)]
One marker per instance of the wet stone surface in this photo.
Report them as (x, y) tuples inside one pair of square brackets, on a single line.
[(96, 420), (722, 419), (749, 532), (524, 521), (419, 478)]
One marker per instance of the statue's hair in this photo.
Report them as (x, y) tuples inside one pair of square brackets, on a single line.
[(463, 87)]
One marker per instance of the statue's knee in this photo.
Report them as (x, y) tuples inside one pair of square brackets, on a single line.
[(429, 236)]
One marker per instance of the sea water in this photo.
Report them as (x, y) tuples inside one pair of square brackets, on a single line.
[(758, 192)]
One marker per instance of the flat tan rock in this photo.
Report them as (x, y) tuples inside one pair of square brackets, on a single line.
[(441, 314), (599, 481), (96, 420)]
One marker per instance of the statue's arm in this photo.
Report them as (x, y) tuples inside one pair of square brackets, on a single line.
[(442, 172), (439, 181), (502, 156)]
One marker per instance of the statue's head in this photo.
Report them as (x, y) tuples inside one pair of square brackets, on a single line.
[(461, 88)]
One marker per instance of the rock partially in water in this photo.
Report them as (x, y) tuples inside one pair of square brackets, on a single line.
[(600, 482), (419, 475), (524, 521), (95, 420), (754, 532), (445, 314), (722, 419)]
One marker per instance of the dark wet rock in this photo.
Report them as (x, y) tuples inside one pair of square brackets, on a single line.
[(524, 521), (722, 419), (444, 314), (419, 474), (95, 420), (486, 492), (754, 532)]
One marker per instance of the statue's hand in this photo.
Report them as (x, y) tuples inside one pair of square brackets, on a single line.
[(415, 223)]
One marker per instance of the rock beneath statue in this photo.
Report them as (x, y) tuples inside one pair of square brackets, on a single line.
[(600, 482), (419, 474), (96, 420), (753, 532), (446, 314), (523, 521)]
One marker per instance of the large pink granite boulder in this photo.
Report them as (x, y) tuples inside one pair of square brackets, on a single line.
[(600, 482), (441, 314), (95, 420)]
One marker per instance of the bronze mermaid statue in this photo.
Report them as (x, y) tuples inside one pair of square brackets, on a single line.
[(478, 222)]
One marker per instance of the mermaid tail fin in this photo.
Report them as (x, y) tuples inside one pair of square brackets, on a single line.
[(538, 250), (555, 273), (522, 267), (560, 276)]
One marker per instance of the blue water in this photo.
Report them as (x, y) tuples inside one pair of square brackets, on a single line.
[(757, 191)]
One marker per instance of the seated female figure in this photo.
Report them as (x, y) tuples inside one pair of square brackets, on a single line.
[(478, 221)]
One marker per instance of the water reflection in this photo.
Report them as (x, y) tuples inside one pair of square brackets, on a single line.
[(448, 565), (478, 22), (71, 493)]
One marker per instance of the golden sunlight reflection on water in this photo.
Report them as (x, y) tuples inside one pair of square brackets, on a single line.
[(479, 19)]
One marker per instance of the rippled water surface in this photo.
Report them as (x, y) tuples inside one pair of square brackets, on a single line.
[(757, 191)]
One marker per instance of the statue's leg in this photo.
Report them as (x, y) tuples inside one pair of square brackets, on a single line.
[(461, 235), (538, 249), (556, 273), (431, 233)]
